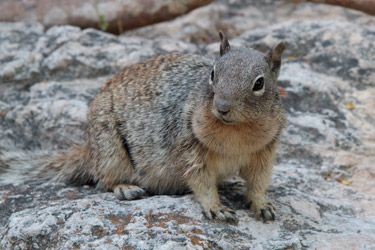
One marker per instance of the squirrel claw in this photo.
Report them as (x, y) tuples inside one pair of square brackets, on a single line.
[(267, 213), (128, 192), (221, 213)]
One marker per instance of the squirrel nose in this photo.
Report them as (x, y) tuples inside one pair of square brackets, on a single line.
[(223, 107)]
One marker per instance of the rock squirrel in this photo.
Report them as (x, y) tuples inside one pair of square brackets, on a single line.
[(175, 123)]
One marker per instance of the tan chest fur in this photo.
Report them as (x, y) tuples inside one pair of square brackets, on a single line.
[(233, 140), (231, 146)]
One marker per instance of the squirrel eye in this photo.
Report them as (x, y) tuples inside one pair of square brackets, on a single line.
[(212, 75), (259, 83)]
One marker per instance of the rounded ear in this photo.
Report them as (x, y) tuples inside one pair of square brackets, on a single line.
[(273, 58), (224, 44)]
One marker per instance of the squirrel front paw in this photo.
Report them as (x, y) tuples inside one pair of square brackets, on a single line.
[(220, 212), (265, 211), (128, 192)]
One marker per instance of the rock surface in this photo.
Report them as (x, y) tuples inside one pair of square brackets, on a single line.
[(238, 16), (324, 174), (114, 16)]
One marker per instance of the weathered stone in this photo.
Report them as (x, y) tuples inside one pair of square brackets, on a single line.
[(323, 177), (110, 15), (367, 6), (237, 17), (29, 55)]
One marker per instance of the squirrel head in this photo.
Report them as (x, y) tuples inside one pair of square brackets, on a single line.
[(244, 83)]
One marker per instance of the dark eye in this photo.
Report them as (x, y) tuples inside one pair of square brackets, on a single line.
[(258, 84), (212, 75)]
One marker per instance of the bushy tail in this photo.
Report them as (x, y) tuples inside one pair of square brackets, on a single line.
[(72, 167)]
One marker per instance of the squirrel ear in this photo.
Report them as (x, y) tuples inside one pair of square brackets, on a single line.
[(224, 44), (273, 58)]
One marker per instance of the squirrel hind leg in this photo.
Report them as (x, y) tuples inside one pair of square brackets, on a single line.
[(128, 192)]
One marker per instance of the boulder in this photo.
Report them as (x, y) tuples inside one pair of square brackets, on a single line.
[(114, 16)]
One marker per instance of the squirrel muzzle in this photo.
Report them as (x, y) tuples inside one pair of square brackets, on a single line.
[(223, 110)]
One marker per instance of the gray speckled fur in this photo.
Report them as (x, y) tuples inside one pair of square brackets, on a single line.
[(159, 127)]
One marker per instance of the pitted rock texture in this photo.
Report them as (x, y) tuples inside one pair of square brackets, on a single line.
[(238, 16), (323, 177), (110, 15), (29, 55)]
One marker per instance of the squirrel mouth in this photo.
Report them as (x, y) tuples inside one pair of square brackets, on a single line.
[(226, 121), (222, 119)]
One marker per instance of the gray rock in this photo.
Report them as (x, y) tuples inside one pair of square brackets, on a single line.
[(18, 58), (323, 176), (238, 16), (29, 55), (110, 15)]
